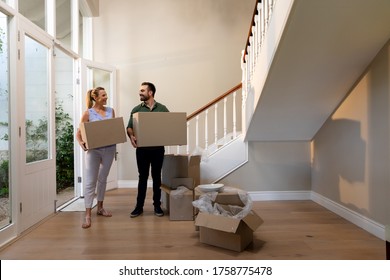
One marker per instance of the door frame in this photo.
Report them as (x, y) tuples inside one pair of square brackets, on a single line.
[(85, 84), (33, 207)]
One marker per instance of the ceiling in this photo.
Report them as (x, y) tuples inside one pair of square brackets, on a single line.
[(325, 47)]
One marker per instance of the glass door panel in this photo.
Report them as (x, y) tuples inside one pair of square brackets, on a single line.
[(98, 77), (37, 130), (5, 209), (95, 75), (36, 101), (64, 116)]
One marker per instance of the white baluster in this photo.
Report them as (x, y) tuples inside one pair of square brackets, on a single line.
[(188, 138), (206, 130), (249, 63), (216, 125), (252, 59), (258, 27), (262, 20), (254, 48), (243, 70), (243, 108), (270, 7), (234, 115), (197, 132), (257, 36), (224, 120)]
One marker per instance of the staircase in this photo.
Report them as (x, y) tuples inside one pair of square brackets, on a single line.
[(218, 135), (215, 133), (301, 65), (296, 69)]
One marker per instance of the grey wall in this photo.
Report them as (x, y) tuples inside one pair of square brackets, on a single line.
[(349, 158), (351, 151), (274, 166)]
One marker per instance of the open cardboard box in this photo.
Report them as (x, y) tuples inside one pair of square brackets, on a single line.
[(227, 196), (227, 232)]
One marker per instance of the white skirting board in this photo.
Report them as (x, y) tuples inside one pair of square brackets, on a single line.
[(361, 221), (358, 219)]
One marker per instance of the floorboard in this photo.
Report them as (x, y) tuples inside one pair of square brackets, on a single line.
[(292, 230)]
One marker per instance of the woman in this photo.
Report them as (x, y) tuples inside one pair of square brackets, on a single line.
[(98, 161)]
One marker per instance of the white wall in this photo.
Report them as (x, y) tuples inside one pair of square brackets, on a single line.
[(351, 151), (190, 49)]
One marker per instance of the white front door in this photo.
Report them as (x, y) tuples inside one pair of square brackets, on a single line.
[(36, 127)]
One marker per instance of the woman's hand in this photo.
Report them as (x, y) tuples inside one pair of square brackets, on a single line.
[(83, 146)]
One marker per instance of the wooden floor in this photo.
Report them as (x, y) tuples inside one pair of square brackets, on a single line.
[(299, 230)]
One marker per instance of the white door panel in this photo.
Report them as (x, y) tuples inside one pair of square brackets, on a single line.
[(36, 127)]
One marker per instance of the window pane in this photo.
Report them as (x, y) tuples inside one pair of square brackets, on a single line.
[(101, 78), (37, 101), (64, 22), (81, 35), (5, 210), (9, 2), (34, 10)]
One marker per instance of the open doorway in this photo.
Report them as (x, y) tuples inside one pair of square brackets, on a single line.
[(64, 127)]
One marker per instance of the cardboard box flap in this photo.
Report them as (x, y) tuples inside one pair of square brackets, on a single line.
[(180, 166), (217, 222), (253, 220), (226, 196), (227, 224), (194, 160)]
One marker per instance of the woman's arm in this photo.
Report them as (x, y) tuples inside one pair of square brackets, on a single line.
[(84, 118)]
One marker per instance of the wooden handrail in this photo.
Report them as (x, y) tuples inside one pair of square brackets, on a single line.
[(250, 30), (208, 105)]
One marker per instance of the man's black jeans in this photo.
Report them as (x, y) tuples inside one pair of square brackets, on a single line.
[(149, 157)]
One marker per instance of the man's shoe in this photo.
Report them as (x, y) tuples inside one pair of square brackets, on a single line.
[(158, 211), (136, 212)]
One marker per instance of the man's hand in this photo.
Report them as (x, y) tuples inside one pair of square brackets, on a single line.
[(133, 141)]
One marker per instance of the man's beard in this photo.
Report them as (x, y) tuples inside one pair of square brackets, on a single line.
[(144, 98)]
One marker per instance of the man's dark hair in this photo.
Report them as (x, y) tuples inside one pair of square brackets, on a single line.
[(150, 86)]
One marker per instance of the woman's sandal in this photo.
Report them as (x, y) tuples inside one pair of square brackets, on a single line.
[(87, 223), (104, 213)]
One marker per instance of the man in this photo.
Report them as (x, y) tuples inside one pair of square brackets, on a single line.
[(147, 156)]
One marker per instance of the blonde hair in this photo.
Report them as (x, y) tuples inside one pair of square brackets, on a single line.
[(91, 95)]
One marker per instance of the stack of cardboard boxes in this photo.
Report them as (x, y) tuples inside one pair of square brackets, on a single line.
[(180, 175)]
